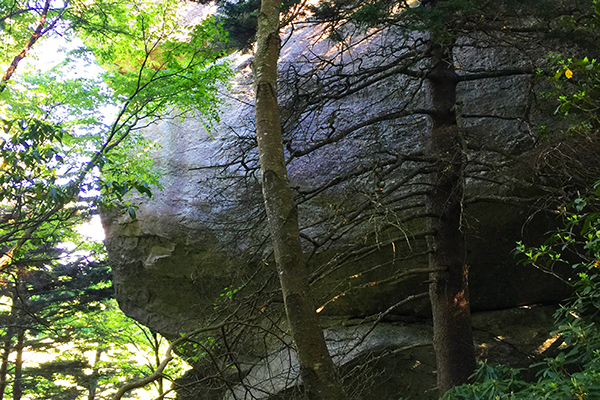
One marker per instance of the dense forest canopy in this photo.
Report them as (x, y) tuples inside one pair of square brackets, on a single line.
[(72, 142)]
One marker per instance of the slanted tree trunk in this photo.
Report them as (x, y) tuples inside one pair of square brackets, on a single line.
[(39, 32), (449, 291), (316, 367)]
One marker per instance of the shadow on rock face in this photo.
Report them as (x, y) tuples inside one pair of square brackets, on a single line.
[(388, 361)]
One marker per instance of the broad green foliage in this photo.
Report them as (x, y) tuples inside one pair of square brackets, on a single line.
[(36, 190), (577, 80), (156, 62), (70, 141), (581, 79), (16, 21), (64, 136)]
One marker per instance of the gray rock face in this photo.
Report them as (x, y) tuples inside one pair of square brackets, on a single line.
[(355, 118)]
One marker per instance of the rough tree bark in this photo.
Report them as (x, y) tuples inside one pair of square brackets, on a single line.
[(448, 290), (316, 367)]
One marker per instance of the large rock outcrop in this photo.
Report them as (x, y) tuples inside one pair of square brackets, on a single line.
[(355, 116)]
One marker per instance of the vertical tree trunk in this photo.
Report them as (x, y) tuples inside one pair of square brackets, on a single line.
[(157, 360), (316, 367), (93, 385), (449, 292), (18, 382), (20, 299), (7, 348), (7, 340)]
